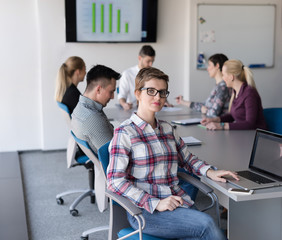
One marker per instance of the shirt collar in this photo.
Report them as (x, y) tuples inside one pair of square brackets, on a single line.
[(90, 103), (140, 122), (222, 83), (137, 68), (242, 88)]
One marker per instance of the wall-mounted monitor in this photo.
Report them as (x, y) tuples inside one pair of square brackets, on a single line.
[(111, 20)]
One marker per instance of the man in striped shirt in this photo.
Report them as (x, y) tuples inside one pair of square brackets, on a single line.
[(89, 122)]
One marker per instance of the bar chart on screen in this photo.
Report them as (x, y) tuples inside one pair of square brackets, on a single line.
[(109, 20)]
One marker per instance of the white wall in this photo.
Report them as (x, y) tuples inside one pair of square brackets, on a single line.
[(41, 52), (19, 98), (33, 46), (268, 81), (54, 50)]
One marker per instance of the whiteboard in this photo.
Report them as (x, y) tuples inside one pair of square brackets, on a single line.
[(244, 32)]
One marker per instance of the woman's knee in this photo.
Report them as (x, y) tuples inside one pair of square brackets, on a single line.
[(207, 221), (210, 229)]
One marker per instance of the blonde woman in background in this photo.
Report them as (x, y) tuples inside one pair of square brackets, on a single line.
[(70, 74), (245, 109)]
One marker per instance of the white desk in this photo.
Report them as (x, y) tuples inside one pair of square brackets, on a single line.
[(257, 216), (253, 217)]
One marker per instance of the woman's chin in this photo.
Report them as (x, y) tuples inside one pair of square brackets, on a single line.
[(156, 108)]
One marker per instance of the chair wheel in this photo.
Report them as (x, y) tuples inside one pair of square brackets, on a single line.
[(60, 201), (84, 238), (74, 212)]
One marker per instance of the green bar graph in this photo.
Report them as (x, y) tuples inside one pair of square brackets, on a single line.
[(93, 17), (118, 20), (102, 18), (126, 27), (110, 18), (96, 25)]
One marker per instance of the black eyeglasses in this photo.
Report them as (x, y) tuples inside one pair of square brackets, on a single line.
[(154, 92)]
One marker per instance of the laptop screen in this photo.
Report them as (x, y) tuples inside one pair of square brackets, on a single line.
[(267, 154)]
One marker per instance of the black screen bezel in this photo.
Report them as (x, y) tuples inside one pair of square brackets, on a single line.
[(149, 22), (259, 133)]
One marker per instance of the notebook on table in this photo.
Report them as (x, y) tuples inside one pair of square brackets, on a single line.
[(265, 165), (189, 121), (191, 141)]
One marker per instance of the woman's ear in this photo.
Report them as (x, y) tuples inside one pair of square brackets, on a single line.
[(137, 94), (233, 78), (76, 72)]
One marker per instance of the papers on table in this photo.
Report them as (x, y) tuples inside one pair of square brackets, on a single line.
[(191, 141), (189, 121), (171, 109)]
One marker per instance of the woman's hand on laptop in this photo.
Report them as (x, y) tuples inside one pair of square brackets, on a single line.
[(217, 175)]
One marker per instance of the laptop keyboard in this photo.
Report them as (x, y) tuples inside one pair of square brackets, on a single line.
[(254, 177)]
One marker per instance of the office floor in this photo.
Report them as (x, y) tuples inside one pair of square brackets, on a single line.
[(44, 176)]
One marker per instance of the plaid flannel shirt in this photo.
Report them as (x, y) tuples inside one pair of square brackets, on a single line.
[(144, 162)]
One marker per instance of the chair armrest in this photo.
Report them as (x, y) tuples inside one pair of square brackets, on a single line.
[(124, 202), (197, 183)]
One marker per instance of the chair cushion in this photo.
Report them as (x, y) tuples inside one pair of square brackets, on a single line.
[(82, 159), (103, 156), (64, 107), (273, 118), (126, 231)]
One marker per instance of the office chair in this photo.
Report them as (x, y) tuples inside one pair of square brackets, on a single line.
[(119, 225), (100, 183), (75, 159), (273, 118)]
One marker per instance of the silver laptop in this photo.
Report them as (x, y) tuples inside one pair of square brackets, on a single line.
[(265, 167)]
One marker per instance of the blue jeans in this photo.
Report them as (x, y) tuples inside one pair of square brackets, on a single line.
[(182, 223), (187, 187)]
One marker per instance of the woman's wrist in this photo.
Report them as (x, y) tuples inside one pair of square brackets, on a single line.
[(217, 119), (187, 103), (225, 126), (222, 125)]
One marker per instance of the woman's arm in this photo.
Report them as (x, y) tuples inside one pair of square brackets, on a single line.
[(226, 118), (196, 106), (187, 160), (181, 101), (216, 102), (251, 105)]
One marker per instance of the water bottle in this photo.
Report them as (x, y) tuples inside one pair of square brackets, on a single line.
[(201, 63)]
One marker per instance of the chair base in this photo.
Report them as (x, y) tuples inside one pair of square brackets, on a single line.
[(85, 193), (84, 235)]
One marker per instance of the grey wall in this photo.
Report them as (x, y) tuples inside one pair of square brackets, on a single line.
[(268, 81)]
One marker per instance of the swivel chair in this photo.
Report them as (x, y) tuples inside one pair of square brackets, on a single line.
[(273, 118), (74, 159), (100, 183), (119, 225)]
